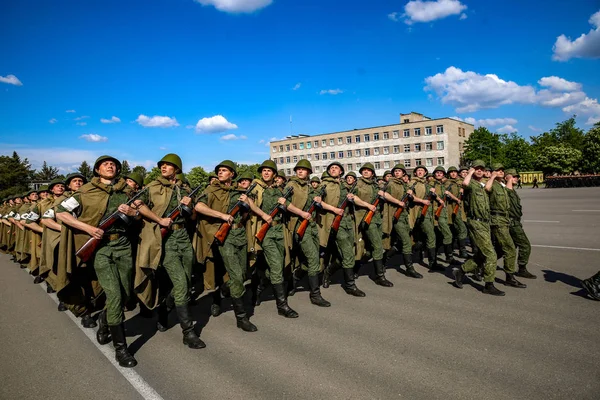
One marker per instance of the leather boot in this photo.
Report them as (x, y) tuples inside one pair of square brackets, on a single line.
[(592, 285), (61, 307), (491, 289), (163, 317), (329, 270), (523, 273), (356, 269), (190, 338), (49, 288), (462, 245), (410, 269), (448, 251), (241, 317), (88, 322), (458, 277), (349, 284), (282, 305), (296, 278), (215, 308), (432, 260), (102, 334), (380, 274), (315, 292), (38, 279), (477, 275), (259, 289), (122, 355), (511, 281)]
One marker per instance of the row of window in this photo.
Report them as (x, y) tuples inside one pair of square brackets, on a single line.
[(429, 162), (363, 152), (357, 138)]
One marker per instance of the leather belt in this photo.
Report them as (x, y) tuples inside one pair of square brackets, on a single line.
[(176, 227), (112, 237)]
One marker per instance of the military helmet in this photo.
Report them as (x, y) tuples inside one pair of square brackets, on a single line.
[(43, 188), (497, 167), (304, 164), (136, 177), (211, 175), (173, 159), (55, 182), (281, 174), (420, 166), (315, 179), (439, 168), (463, 168), (488, 169), (338, 164), (367, 166), (511, 171), (75, 175), (387, 172), (246, 175), (227, 164), (452, 169), (101, 159), (352, 174), (29, 192), (268, 164), (478, 164)]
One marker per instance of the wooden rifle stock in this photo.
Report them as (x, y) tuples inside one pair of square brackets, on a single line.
[(176, 212), (260, 235), (439, 210), (399, 210), (430, 197), (304, 224), (225, 227), (457, 205), (369, 215), (335, 226), (86, 252)]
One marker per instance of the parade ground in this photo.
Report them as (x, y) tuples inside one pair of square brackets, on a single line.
[(421, 339)]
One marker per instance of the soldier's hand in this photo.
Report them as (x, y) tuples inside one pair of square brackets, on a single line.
[(410, 192), (227, 218), (350, 196), (96, 233), (306, 215), (137, 204), (186, 200), (165, 222), (432, 190), (381, 193), (426, 202), (281, 201), (402, 204), (125, 209), (372, 207), (471, 170), (339, 211), (317, 199), (243, 198), (441, 202), (447, 193), (268, 219), (494, 174)]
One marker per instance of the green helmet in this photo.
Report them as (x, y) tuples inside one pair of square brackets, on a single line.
[(338, 164), (136, 177), (478, 163), (420, 166), (101, 159), (304, 164), (75, 175), (352, 174), (497, 167), (367, 166), (30, 192), (463, 168), (227, 164), (268, 164), (324, 175), (315, 179), (246, 175), (398, 166), (387, 172), (173, 159), (55, 182), (281, 174), (452, 169), (210, 176), (511, 171), (43, 188), (440, 168)]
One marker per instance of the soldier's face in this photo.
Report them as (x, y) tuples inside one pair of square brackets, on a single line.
[(405, 178), (464, 173), (33, 197), (131, 183), (479, 172), (420, 172), (167, 170), (453, 175), (75, 184), (107, 170), (367, 173), (43, 195), (500, 173), (439, 175), (398, 173), (314, 184), (213, 179), (279, 180), (58, 190), (302, 173), (18, 201), (267, 174), (487, 174), (350, 180), (244, 183), (224, 174), (388, 177), (334, 171)]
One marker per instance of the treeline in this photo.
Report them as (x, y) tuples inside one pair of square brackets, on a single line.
[(564, 149)]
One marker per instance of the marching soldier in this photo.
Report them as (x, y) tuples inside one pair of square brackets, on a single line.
[(280, 179), (50, 237), (33, 216), (315, 182), (441, 222), (423, 231), (350, 178), (458, 219)]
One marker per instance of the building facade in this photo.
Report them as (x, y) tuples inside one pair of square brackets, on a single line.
[(415, 140)]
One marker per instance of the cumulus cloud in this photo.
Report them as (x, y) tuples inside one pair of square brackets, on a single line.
[(297, 86), (394, 16), (231, 136), (427, 11), (487, 121), (214, 124), (587, 107), (53, 121), (507, 129), (535, 129), (82, 123), (236, 6), (331, 91), (592, 120), (92, 137), (585, 46), (156, 121), (11, 80), (70, 111), (556, 83), (112, 120)]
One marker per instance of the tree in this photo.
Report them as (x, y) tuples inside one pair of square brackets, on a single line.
[(591, 150), (46, 173), (242, 168), (483, 145), (125, 169), (85, 170), (517, 152), (197, 176), (140, 170), (14, 174), (152, 175), (560, 159)]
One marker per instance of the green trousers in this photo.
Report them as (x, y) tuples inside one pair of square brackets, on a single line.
[(114, 269), (521, 241), (402, 229), (424, 232), (458, 227), (344, 242), (374, 236), (480, 233), (178, 259), (274, 251), (444, 229), (502, 236), (310, 249), (235, 257)]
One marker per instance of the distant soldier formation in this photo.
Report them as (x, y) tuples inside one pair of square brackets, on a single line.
[(570, 181), (114, 244)]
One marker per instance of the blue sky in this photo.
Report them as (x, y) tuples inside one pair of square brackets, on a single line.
[(215, 79)]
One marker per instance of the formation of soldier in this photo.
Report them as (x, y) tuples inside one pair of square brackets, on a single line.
[(567, 181), (113, 244)]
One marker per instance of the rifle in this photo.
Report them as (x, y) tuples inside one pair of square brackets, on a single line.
[(401, 209), (302, 228), (260, 235), (439, 210), (369, 215), (457, 205), (179, 210), (225, 227), (431, 196), (335, 226), (86, 251)]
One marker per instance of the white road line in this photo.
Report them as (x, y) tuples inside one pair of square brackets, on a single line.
[(585, 210), (138, 383), (547, 222), (565, 248)]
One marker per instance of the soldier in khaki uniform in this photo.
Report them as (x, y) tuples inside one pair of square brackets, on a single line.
[(315, 182), (457, 220), (423, 231)]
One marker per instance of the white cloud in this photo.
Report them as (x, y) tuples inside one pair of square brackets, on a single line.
[(66, 159), (297, 86), (507, 129), (585, 46), (535, 129), (231, 136), (92, 137), (53, 121), (214, 124), (70, 111), (592, 120), (82, 123), (162, 148), (331, 91), (587, 107), (113, 120), (236, 6), (156, 121), (463, 16), (11, 80), (80, 118), (556, 83), (487, 121), (427, 11), (394, 16)]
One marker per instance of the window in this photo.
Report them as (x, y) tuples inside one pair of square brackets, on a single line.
[(302, 157), (295, 158), (417, 131), (349, 153), (367, 137), (324, 156), (280, 160), (308, 145), (440, 160), (317, 156), (340, 154), (288, 160), (281, 149), (294, 147), (357, 139), (440, 145), (376, 136), (460, 146), (367, 152), (357, 166), (301, 145), (396, 134), (429, 162), (332, 155), (418, 161), (396, 149), (316, 144), (309, 157), (323, 142), (407, 133), (287, 147), (428, 146), (427, 130), (417, 146), (396, 162), (317, 168), (406, 120), (386, 164), (349, 167), (386, 150), (407, 148), (406, 163), (331, 142), (440, 129), (376, 151), (348, 139), (377, 165), (340, 140), (357, 153), (386, 135), (274, 149), (289, 172)]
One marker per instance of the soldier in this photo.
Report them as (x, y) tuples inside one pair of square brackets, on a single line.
[(478, 220), (280, 179), (350, 178), (315, 182), (367, 191), (517, 233), (441, 222), (387, 175), (212, 178), (500, 223), (487, 174), (458, 219), (112, 262), (592, 285), (134, 180), (423, 230), (31, 223), (22, 240)]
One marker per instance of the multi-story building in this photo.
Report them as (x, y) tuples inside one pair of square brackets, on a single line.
[(415, 140)]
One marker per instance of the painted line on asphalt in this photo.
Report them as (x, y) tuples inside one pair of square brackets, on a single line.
[(547, 222), (564, 248), (585, 210), (135, 379)]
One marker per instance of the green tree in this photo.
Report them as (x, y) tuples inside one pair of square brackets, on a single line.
[(242, 168), (560, 159), (197, 176), (483, 145), (140, 170), (86, 170), (46, 173), (152, 175), (15, 174), (591, 150), (517, 152), (125, 168)]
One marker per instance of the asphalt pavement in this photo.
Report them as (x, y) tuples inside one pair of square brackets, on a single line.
[(421, 339)]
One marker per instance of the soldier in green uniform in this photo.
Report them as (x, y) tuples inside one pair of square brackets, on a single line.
[(500, 223), (441, 222), (280, 179), (457, 220), (31, 223), (423, 231), (134, 180), (592, 286), (350, 178), (315, 182), (56, 189), (367, 191), (387, 175), (478, 220), (22, 240), (517, 233), (342, 241), (81, 213), (174, 252), (302, 197)]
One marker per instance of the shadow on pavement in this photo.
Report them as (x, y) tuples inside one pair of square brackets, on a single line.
[(553, 277)]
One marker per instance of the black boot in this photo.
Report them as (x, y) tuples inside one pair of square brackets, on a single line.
[(491, 289), (190, 338), (315, 292), (511, 281), (449, 254), (102, 334), (410, 269), (240, 315), (458, 277), (592, 285), (523, 273), (296, 278), (49, 288), (282, 305), (350, 285), (259, 289), (215, 308), (163, 317), (88, 322), (61, 307), (327, 272), (432, 260), (462, 245), (38, 279), (380, 274), (122, 355), (477, 275)]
